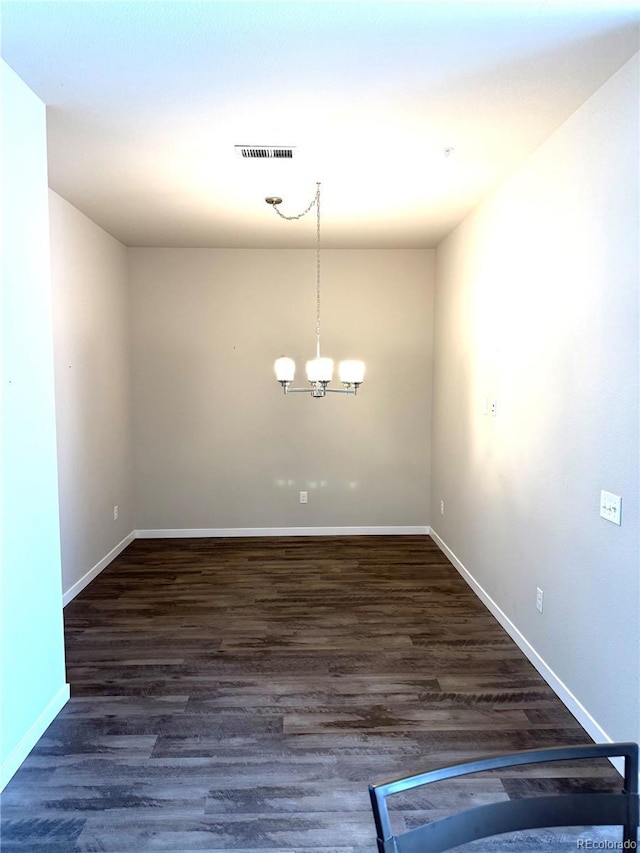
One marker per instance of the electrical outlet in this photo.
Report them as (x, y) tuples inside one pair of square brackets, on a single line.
[(304, 497), (493, 408), (441, 507), (611, 507), (115, 512), (539, 599)]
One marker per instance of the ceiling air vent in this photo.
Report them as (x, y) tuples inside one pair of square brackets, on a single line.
[(265, 152)]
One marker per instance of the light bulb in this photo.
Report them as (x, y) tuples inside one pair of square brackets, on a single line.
[(320, 370), (285, 369), (351, 372)]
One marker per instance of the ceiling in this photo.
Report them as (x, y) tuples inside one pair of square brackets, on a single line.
[(147, 100)]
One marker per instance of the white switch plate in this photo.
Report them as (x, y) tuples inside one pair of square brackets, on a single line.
[(441, 507), (493, 408), (304, 497), (611, 507), (539, 599), (115, 512)]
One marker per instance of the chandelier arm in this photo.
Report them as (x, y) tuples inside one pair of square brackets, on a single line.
[(320, 389)]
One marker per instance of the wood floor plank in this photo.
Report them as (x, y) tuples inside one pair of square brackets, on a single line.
[(239, 695)]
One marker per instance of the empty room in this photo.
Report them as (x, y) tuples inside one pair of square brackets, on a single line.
[(321, 424)]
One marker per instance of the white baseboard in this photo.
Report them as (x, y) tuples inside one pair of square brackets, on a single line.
[(86, 579), (586, 720), (13, 761), (215, 532)]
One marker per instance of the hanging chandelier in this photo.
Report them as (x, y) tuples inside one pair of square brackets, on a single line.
[(319, 369)]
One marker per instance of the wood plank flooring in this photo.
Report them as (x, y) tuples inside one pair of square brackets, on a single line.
[(240, 694)]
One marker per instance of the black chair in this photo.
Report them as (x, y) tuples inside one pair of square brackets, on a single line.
[(574, 809)]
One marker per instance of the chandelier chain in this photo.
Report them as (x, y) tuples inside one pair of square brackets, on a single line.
[(317, 203), (315, 200)]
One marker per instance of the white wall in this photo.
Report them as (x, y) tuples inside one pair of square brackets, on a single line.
[(93, 393), (219, 446), (31, 639), (537, 306)]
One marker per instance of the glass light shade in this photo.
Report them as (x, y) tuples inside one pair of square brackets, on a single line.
[(320, 370), (351, 371), (285, 369)]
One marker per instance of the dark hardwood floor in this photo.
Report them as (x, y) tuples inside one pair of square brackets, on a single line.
[(240, 694)]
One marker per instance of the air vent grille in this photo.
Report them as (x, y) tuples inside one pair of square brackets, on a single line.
[(265, 152)]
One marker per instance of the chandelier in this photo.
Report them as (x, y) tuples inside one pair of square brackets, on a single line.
[(319, 369)]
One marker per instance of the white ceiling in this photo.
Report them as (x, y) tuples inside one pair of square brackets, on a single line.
[(146, 101)]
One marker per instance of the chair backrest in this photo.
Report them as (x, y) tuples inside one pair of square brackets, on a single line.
[(575, 809)]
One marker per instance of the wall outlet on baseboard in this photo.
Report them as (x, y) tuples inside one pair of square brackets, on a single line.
[(115, 512)]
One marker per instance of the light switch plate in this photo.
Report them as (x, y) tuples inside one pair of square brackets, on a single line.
[(611, 507)]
